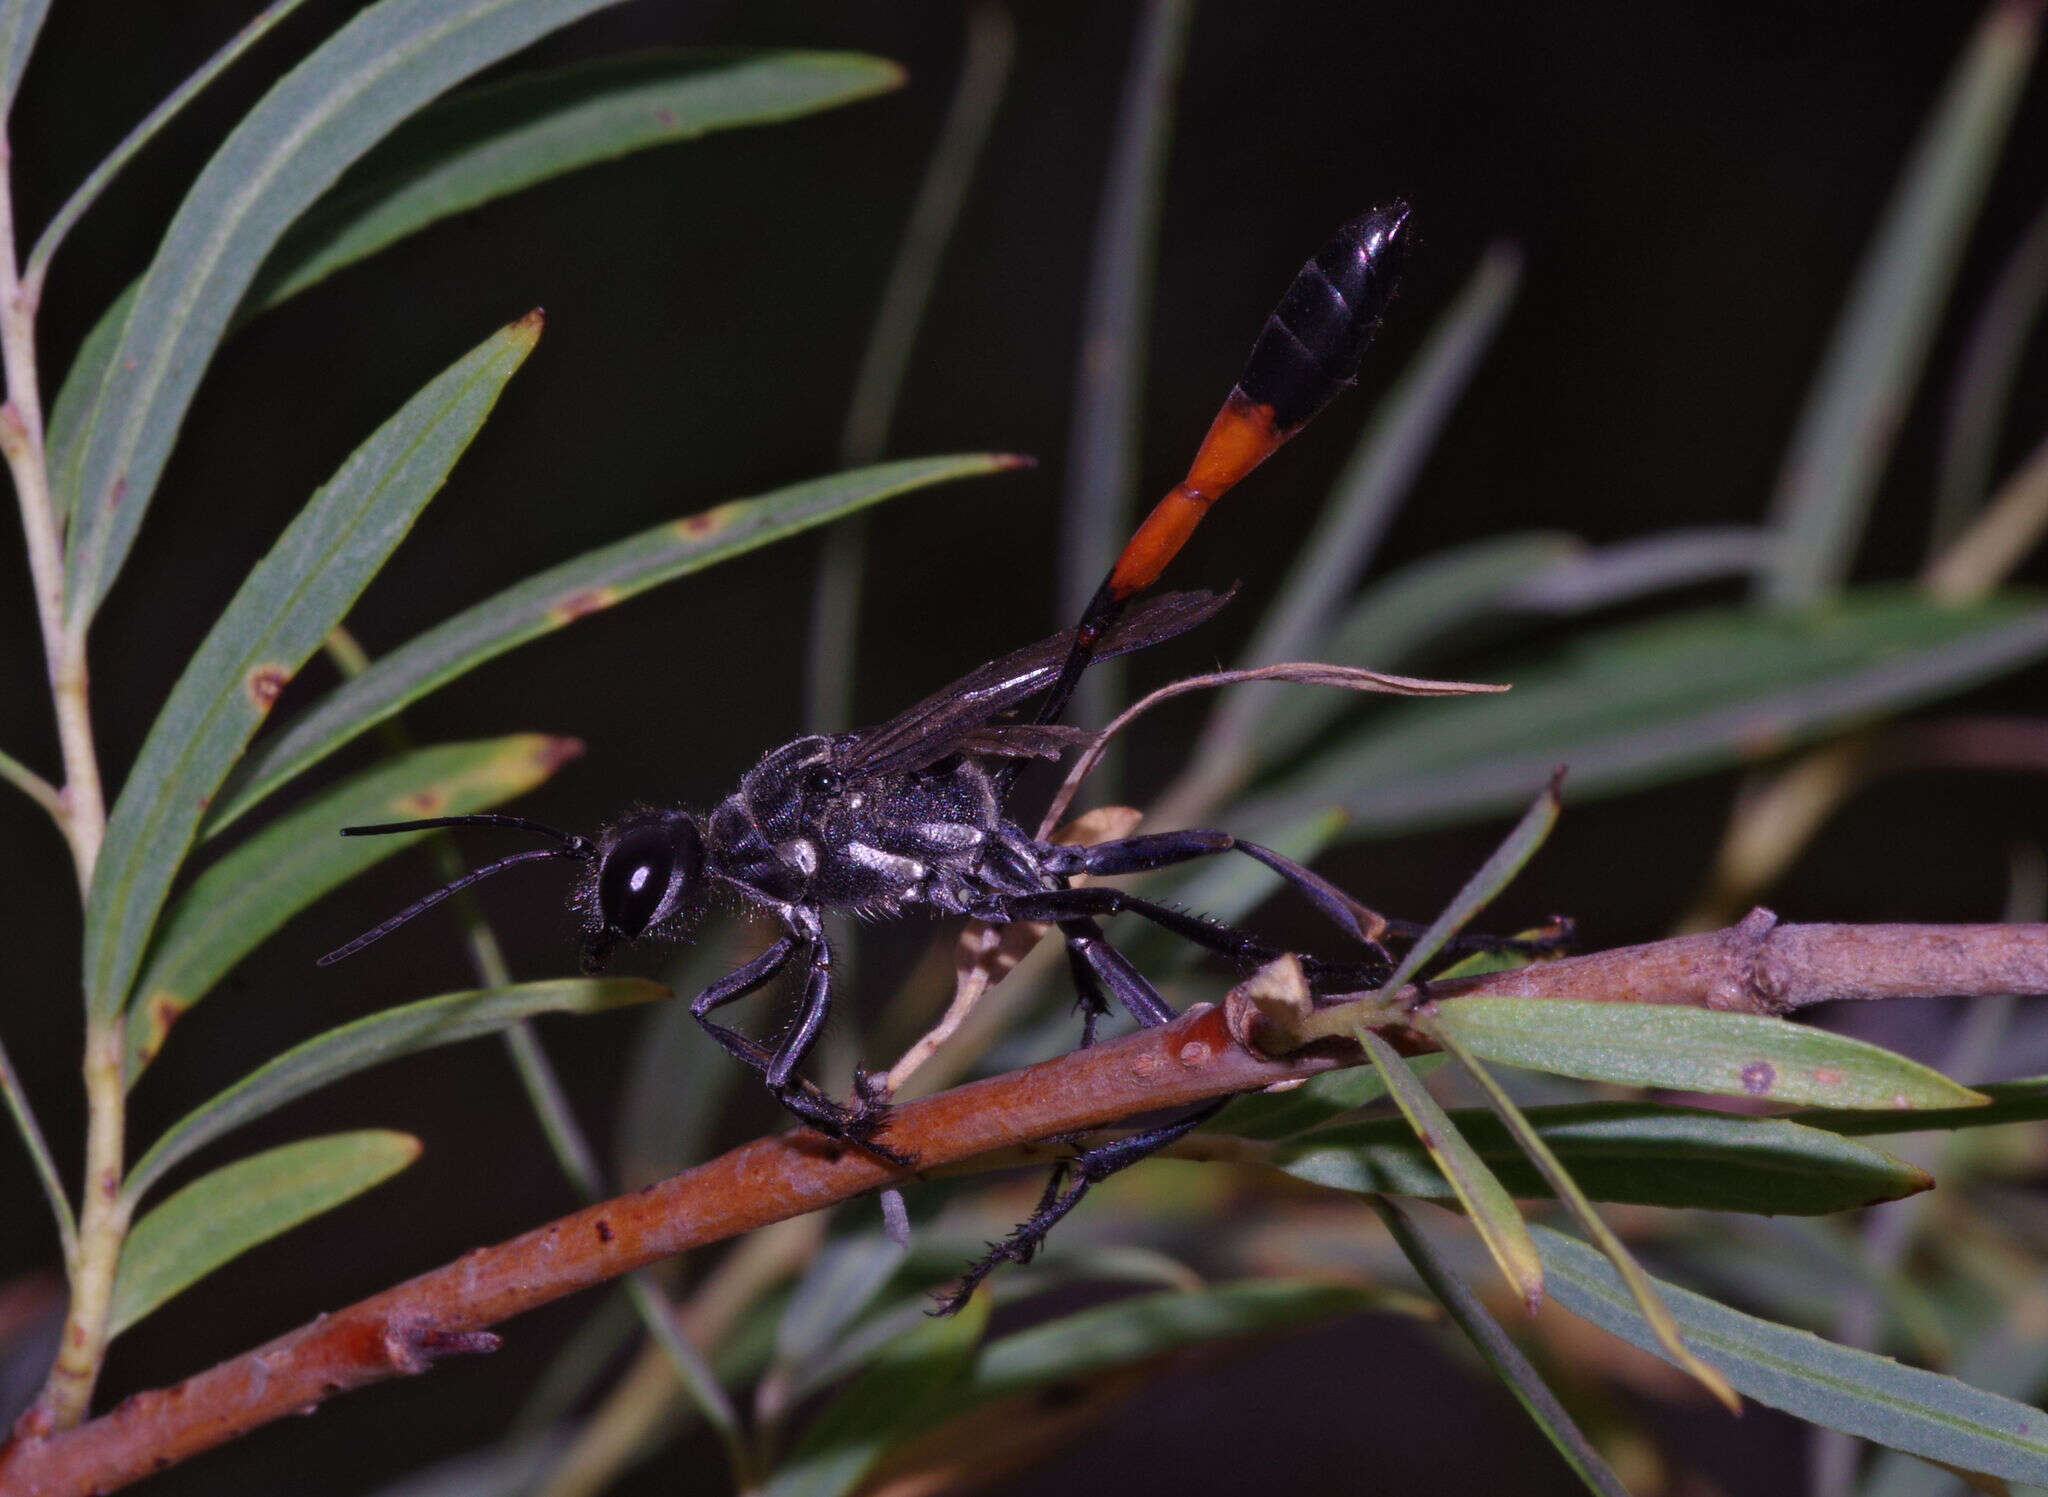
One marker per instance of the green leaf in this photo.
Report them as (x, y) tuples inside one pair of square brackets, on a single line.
[(1642, 704), (1865, 383), (220, 1216), (1499, 1350), (295, 595), (372, 1041), (1318, 1100), (251, 892), (1479, 891), (1654, 563), (71, 413), (936, 1255), (839, 1285), (1696, 1050), (2011, 1102), (562, 594), (20, 21), (485, 143), (1640, 1153), (1143, 1326), (1402, 616), (1905, 1408), (389, 60), (1485, 1199), (894, 1398), (1641, 1288), (1109, 380)]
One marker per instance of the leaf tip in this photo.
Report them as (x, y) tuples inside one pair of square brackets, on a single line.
[(1008, 461), (526, 331), (553, 750)]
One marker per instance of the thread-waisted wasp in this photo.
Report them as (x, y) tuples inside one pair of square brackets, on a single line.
[(912, 812)]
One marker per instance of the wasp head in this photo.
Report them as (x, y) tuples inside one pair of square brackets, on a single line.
[(648, 871)]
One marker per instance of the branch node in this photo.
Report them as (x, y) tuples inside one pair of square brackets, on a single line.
[(413, 1345), (1764, 981)]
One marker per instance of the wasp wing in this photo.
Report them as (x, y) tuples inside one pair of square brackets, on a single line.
[(956, 719)]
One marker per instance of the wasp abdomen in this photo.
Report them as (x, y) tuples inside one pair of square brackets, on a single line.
[(1311, 346)]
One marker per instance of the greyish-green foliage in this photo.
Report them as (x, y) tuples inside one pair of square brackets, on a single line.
[(826, 1348)]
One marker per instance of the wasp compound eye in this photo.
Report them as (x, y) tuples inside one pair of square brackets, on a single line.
[(645, 872)]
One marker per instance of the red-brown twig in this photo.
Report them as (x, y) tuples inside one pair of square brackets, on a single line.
[(1757, 965)]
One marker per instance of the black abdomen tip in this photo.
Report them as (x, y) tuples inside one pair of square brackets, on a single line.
[(1311, 346)]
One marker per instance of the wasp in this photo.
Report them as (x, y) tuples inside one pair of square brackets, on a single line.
[(912, 813)]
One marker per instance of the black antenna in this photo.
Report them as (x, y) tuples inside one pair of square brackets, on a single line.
[(572, 846)]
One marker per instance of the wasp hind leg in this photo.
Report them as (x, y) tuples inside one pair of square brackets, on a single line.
[(1101, 973)]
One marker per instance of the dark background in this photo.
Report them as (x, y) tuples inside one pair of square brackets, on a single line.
[(1692, 185)]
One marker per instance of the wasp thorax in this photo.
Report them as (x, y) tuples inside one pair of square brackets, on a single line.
[(647, 870)]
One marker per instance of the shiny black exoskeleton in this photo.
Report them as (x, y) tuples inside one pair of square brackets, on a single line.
[(876, 822), (911, 813)]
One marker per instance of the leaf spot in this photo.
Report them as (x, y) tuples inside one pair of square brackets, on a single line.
[(1758, 1077), (708, 523), (573, 606), (264, 682), (1828, 1076)]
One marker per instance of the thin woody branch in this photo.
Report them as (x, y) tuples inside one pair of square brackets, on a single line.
[(1758, 965)]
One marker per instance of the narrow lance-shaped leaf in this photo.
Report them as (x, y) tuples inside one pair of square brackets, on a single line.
[(1485, 1199), (1640, 1153), (20, 23), (895, 1397), (255, 889), (1820, 1381), (1151, 1325), (1109, 382), (1642, 1289), (72, 411), (1696, 1050), (840, 1284), (368, 1042), (2010, 1102), (1642, 704), (295, 595), (543, 603), (385, 63), (220, 1216), (1486, 882), (487, 142), (1499, 1350), (1866, 382)]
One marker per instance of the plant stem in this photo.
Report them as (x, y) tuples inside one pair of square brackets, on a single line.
[(103, 1219), (405, 1329), (102, 1228), (82, 813)]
